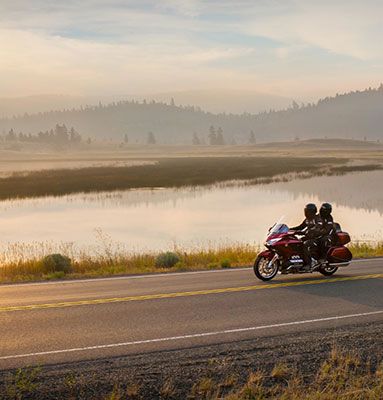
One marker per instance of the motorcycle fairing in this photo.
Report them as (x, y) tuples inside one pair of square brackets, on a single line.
[(267, 254)]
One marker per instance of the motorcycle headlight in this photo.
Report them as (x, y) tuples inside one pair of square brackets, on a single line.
[(271, 242)]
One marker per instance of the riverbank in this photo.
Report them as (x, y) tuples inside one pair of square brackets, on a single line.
[(173, 172), (116, 262)]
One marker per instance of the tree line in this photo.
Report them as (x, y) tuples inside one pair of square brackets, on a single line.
[(215, 138), (351, 115), (60, 135)]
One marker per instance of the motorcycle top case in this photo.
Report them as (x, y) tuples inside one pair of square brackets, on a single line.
[(339, 255), (343, 238)]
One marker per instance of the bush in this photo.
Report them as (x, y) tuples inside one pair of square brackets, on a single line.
[(225, 263), (56, 263), (167, 260), (55, 275)]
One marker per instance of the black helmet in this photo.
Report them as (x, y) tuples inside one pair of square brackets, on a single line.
[(310, 210), (325, 210)]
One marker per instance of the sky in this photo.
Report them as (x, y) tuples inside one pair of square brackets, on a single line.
[(297, 48)]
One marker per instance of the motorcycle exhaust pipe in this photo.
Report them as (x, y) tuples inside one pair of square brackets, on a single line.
[(339, 264)]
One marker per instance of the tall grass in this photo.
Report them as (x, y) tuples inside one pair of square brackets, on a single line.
[(176, 172), (24, 262), (366, 249)]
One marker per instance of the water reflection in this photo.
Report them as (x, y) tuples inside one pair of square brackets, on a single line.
[(154, 219)]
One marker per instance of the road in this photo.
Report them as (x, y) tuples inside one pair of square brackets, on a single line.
[(69, 321)]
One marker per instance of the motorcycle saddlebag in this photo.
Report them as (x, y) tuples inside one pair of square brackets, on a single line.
[(343, 238), (339, 255)]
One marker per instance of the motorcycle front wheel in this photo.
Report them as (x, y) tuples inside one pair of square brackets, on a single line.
[(328, 270), (264, 269)]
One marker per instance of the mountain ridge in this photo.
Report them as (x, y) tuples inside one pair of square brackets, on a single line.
[(352, 115)]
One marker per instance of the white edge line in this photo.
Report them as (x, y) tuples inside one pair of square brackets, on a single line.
[(159, 275), (191, 336)]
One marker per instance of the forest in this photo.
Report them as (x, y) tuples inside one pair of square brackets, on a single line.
[(353, 115)]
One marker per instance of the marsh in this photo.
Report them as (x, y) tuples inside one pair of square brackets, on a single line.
[(158, 219)]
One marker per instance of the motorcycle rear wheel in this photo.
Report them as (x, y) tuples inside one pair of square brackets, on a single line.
[(263, 270), (328, 270)]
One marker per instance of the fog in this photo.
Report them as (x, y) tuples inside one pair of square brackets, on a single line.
[(215, 100), (354, 115)]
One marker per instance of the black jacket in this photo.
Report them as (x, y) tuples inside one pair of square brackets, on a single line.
[(312, 228), (328, 225)]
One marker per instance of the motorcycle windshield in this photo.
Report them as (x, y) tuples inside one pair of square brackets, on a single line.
[(279, 228)]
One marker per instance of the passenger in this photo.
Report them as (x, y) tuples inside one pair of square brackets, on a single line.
[(312, 229), (328, 229)]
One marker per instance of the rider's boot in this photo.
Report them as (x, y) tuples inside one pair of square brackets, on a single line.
[(309, 266)]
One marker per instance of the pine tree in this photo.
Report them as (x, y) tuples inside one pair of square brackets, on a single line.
[(11, 136), (195, 140), (151, 139), (252, 139), (220, 140), (74, 137), (212, 136)]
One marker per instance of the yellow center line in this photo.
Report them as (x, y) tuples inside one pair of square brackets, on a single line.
[(185, 294)]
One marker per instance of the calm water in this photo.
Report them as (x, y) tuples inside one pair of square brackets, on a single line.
[(155, 219)]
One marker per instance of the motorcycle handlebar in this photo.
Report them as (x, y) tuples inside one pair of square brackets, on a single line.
[(295, 233)]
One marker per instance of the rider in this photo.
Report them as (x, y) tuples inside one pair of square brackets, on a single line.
[(328, 228), (312, 229)]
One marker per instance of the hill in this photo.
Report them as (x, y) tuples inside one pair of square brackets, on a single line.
[(216, 101), (229, 101), (354, 115)]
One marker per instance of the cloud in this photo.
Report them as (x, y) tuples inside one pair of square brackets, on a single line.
[(54, 64), (190, 8), (138, 46), (349, 28)]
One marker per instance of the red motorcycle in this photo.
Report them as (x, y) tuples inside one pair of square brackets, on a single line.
[(284, 254)]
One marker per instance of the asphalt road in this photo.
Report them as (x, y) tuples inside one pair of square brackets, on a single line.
[(54, 322)]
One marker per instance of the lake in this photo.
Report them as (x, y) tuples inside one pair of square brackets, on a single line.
[(155, 219)]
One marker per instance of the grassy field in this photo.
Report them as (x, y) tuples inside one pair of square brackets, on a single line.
[(105, 150), (29, 264), (171, 172)]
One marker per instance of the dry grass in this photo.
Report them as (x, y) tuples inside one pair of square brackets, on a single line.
[(365, 250), (168, 390), (205, 389), (343, 376), (23, 262)]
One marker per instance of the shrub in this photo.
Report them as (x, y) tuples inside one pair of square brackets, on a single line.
[(167, 260), (56, 263), (55, 275), (180, 266), (225, 263)]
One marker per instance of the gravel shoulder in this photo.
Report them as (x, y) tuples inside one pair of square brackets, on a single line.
[(144, 376)]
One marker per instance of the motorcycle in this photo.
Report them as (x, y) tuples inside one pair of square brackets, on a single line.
[(284, 254)]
